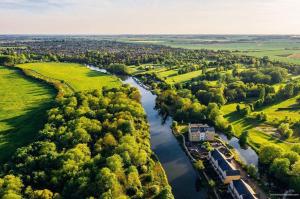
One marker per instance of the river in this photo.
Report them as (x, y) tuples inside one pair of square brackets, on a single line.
[(179, 170), (248, 155)]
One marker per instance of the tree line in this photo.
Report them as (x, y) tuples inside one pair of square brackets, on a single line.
[(96, 144)]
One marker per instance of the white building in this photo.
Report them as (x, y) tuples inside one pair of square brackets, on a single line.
[(225, 170), (239, 189), (201, 132)]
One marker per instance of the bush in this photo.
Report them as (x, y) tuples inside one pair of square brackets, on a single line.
[(252, 171), (199, 165), (285, 130)]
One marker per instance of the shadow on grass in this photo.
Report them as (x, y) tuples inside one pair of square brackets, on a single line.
[(245, 122), (96, 74), (24, 130)]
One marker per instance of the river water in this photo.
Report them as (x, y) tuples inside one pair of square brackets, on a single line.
[(179, 170), (248, 155)]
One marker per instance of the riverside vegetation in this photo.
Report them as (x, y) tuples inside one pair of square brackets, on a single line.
[(238, 94)]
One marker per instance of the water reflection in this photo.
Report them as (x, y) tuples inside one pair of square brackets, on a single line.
[(248, 155)]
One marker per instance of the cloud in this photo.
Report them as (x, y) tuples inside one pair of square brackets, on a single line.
[(150, 16), (36, 4)]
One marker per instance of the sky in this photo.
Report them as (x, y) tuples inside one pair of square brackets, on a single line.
[(150, 17)]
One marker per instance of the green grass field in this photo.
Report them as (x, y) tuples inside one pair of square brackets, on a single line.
[(258, 138), (23, 105), (183, 77), (77, 75)]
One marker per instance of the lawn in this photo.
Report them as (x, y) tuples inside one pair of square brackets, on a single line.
[(23, 105), (183, 77), (167, 73), (275, 114), (257, 138), (77, 75)]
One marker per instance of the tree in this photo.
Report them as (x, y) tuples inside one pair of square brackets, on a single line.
[(252, 171), (267, 153), (199, 165), (296, 148), (285, 130), (114, 163), (11, 187), (211, 183), (119, 69), (42, 194), (238, 108), (6, 60), (243, 139), (291, 156), (280, 168), (109, 140)]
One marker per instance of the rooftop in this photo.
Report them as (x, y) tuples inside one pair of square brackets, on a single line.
[(200, 127), (243, 189), (224, 164)]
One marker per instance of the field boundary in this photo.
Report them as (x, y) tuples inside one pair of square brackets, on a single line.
[(61, 86)]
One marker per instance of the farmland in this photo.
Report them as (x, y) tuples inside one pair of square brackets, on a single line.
[(279, 48), (23, 106), (76, 75)]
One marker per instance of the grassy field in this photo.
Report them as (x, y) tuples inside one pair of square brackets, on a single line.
[(256, 136), (77, 75), (183, 77), (283, 55), (23, 105), (275, 114)]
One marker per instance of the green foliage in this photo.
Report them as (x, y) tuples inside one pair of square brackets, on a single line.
[(268, 153), (119, 69), (280, 167), (199, 165), (100, 147), (252, 171), (211, 183), (11, 187), (22, 99), (285, 130), (244, 138), (296, 148)]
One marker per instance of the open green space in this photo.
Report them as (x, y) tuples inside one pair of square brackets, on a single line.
[(23, 105), (257, 137), (76, 75), (183, 77)]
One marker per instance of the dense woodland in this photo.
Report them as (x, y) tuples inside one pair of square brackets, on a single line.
[(94, 145), (102, 133)]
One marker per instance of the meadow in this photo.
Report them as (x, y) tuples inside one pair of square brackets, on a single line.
[(77, 76), (23, 106), (258, 136)]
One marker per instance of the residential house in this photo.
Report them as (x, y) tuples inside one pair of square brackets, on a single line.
[(239, 189), (225, 170), (201, 132)]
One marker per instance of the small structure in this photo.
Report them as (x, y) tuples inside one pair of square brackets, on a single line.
[(225, 170), (241, 190), (201, 132)]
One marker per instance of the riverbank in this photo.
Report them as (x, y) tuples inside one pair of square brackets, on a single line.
[(180, 172), (199, 151)]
